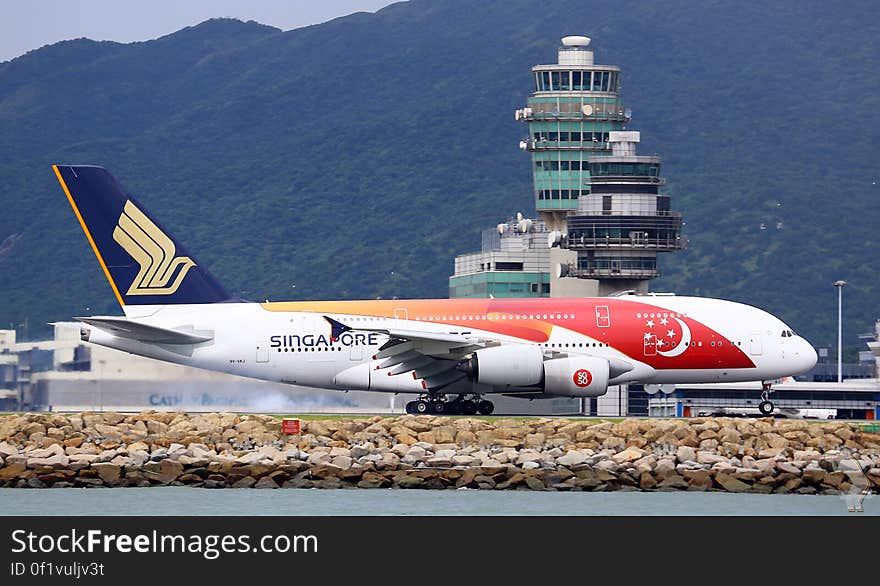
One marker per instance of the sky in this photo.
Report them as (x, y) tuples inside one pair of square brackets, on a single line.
[(30, 24)]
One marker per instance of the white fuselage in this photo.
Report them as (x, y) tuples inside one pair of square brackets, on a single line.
[(251, 340)]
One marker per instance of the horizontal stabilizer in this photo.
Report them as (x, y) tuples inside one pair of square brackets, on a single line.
[(133, 330)]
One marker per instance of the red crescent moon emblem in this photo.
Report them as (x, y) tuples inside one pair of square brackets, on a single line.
[(582, 377)]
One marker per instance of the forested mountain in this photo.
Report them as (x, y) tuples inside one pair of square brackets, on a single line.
[(356, 158)]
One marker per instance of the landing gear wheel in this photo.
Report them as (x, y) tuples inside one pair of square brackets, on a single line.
[(765, 407), (422, 407), (468, 408), (485, 407), (411, 407), (440, 407)]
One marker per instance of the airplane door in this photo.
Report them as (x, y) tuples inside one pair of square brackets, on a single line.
[(755, 346), (400, 313), (357, 352), (650, 345), (263, 351), (603, 316)]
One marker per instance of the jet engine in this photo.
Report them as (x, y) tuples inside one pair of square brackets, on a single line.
[(513, 365), (522, 365), (576, 376)]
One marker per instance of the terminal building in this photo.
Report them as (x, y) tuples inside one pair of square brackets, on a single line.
[(66, 374)]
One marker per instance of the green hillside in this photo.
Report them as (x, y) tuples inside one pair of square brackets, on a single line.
[(358, 157)]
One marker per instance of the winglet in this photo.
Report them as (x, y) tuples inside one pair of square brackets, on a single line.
[(336, 328)]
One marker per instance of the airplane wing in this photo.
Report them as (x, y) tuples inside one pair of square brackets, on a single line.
[(125, 328), (430, 356)]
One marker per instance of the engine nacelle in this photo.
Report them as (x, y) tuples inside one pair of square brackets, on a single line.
[(513, 365), (578, 376)]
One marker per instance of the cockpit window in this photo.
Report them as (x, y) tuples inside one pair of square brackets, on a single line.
[(787, 334)]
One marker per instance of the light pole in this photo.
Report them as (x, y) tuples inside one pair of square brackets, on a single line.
[(839, 285)]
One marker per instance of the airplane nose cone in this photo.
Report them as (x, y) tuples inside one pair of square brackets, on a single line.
[(805, 356)]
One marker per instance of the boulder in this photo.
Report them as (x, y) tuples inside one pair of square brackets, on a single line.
[(788, 467), (814, 475), (340, 451), (318, 458), (7, 449), (108, 472), (647, 481), (373, 480), (439, 462), (709, 444), (572, 458), (53, 450), (416, 452), (844, 433), (614, 442), (54, 461), (664, 467), (246, 482), (406, 481), (730, 483), (163, 472), (835, 479), (793, 484), (341, 461), (698, 479), (709, 458), (108, 431), (686, 454), (466, 438), (12, 471), (389, 460), (266, 482), (747, 474), (444, 434), (193, 461), (365, 449), (463, 460), (630, 454), (674, 482), (534, 483), (32, 428)]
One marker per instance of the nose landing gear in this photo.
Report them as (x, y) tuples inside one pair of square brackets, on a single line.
[(766, 406)]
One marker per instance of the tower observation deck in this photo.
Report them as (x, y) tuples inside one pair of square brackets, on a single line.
[(601, 204)]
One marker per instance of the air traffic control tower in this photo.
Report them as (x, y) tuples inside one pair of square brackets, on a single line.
[(603, 214)]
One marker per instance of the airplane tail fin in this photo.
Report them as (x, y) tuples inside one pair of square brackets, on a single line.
[(143, 262)]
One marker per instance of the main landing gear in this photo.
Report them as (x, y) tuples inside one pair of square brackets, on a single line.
[(765, 406), (438, 404)]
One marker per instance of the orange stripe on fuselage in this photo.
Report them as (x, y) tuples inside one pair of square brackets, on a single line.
[(88, 235), (534, 320)]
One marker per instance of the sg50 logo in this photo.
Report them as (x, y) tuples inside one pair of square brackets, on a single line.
[(582, 377)]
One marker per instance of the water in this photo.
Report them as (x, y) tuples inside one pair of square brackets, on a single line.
[(157, 501)]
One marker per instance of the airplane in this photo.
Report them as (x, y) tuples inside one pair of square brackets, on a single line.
[(175, 310)]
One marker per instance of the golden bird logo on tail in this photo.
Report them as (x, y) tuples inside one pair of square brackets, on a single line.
[(154, 252)]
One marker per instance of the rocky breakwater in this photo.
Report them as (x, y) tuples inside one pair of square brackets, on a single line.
[(219, 450)]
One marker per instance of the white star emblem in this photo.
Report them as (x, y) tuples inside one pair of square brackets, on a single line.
[(648, 336), (664, 321), (650, 323), (670, 333)]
